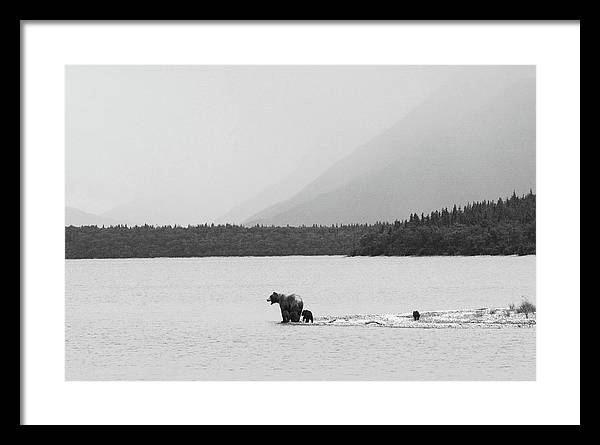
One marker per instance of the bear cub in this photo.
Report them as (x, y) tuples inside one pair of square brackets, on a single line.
[(307, 316)]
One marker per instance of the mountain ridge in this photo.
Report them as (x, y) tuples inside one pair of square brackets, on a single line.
[(473, 138), (77, 217)]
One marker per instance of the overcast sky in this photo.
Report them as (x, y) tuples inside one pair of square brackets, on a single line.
[(191, 142)]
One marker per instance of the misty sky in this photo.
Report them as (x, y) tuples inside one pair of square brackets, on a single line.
[(185, 144)]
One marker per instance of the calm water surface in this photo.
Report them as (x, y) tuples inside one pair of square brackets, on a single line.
[(208, 319)]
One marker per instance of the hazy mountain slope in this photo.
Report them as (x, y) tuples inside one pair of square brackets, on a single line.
[(160, 210), (76, 217), (152, 210), (472, 139), (268, 196)]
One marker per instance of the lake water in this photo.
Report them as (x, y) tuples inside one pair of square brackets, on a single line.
[(208, 319)]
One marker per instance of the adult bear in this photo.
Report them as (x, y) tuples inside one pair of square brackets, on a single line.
[(291, 306)]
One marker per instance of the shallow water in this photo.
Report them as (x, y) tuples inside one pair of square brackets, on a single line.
[(208, 319)]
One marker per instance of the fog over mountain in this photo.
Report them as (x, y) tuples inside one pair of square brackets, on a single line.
[(471, 139), (169, 144), (76, 217), (293, 144)]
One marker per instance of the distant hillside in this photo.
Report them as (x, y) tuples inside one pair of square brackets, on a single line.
[(76, 217), (503, 227), (472, 139), (266, 197)]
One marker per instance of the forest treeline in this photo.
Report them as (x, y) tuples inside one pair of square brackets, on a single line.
[(503, 227), (209, 240)]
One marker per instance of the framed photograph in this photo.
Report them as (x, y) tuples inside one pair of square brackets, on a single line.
[(335, 218)]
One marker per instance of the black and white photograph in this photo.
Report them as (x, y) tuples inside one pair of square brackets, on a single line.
[(300, 223)]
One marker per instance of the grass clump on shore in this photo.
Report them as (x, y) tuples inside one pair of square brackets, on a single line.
[(526, 307)]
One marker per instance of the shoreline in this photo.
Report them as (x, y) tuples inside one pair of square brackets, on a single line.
[(296, 256), (481, 318)]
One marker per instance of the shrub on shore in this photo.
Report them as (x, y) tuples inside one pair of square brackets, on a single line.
[(526, 307)]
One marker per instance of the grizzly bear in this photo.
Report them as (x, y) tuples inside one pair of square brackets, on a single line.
[(307, 316), (290, 305), (416, 315)]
